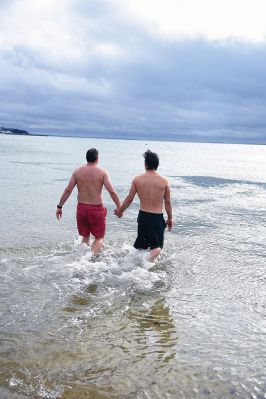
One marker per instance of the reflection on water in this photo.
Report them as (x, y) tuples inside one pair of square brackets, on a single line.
[(155, 336)]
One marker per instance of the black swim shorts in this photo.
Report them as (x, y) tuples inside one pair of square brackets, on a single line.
[(151, 228)]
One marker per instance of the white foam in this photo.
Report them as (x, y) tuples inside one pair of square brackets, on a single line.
[(117, 266), (142, 277), (77, 242), (15, 382)]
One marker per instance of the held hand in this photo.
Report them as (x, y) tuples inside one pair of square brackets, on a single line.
[(58, 213), (118, 213), (169, 223)]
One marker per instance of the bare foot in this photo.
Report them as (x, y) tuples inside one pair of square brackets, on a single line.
[(154, 253)]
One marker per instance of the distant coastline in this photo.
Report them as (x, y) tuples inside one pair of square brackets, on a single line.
[(179, 139), (8, 130), (17, 132)]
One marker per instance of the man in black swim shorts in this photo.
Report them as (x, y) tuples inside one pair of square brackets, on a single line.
[(153, 190)]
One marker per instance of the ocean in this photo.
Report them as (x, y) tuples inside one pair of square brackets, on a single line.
[(192, 325)]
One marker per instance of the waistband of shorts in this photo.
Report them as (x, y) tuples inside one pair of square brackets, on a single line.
[(150, 213), (90, 206)]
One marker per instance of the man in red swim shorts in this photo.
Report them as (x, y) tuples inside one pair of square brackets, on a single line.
[(91, 214)]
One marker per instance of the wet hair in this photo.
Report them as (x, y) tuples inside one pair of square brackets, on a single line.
[(92, 155), (151, 160)]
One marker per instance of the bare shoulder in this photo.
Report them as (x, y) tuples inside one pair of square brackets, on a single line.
[(103, 174), (163, 179), (137, 178), (102, 171), (78, 170)]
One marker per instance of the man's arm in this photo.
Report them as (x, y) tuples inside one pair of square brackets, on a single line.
[(111, 190), (68, 190), (128, 199), (168, 207)]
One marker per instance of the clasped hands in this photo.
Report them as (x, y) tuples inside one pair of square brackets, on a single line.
[(118, 212)]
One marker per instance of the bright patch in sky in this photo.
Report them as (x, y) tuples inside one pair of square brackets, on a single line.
[(211, 19)]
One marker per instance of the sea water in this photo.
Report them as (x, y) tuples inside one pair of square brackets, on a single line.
[(191, 325)]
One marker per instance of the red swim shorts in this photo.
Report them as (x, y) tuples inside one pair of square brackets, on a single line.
[(91, 219)]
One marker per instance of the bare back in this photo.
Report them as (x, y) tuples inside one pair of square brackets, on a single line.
[(90, 180), (151, 188)]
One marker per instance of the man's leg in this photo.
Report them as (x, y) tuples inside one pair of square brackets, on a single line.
[(98, 224), (82, 224), (96, 246), (85, 240), (154, 253), (156, 238)]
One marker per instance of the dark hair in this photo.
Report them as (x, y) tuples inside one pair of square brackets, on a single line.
[(151, 160), (92, 155)]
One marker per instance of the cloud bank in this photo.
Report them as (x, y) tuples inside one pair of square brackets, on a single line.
[(172, 70)]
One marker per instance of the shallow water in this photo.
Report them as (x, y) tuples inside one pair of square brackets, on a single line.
[(113, 326)]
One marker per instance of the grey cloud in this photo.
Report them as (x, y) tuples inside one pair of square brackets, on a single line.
[(185, 90)]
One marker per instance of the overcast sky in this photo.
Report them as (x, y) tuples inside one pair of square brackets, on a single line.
[(171, 69)]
